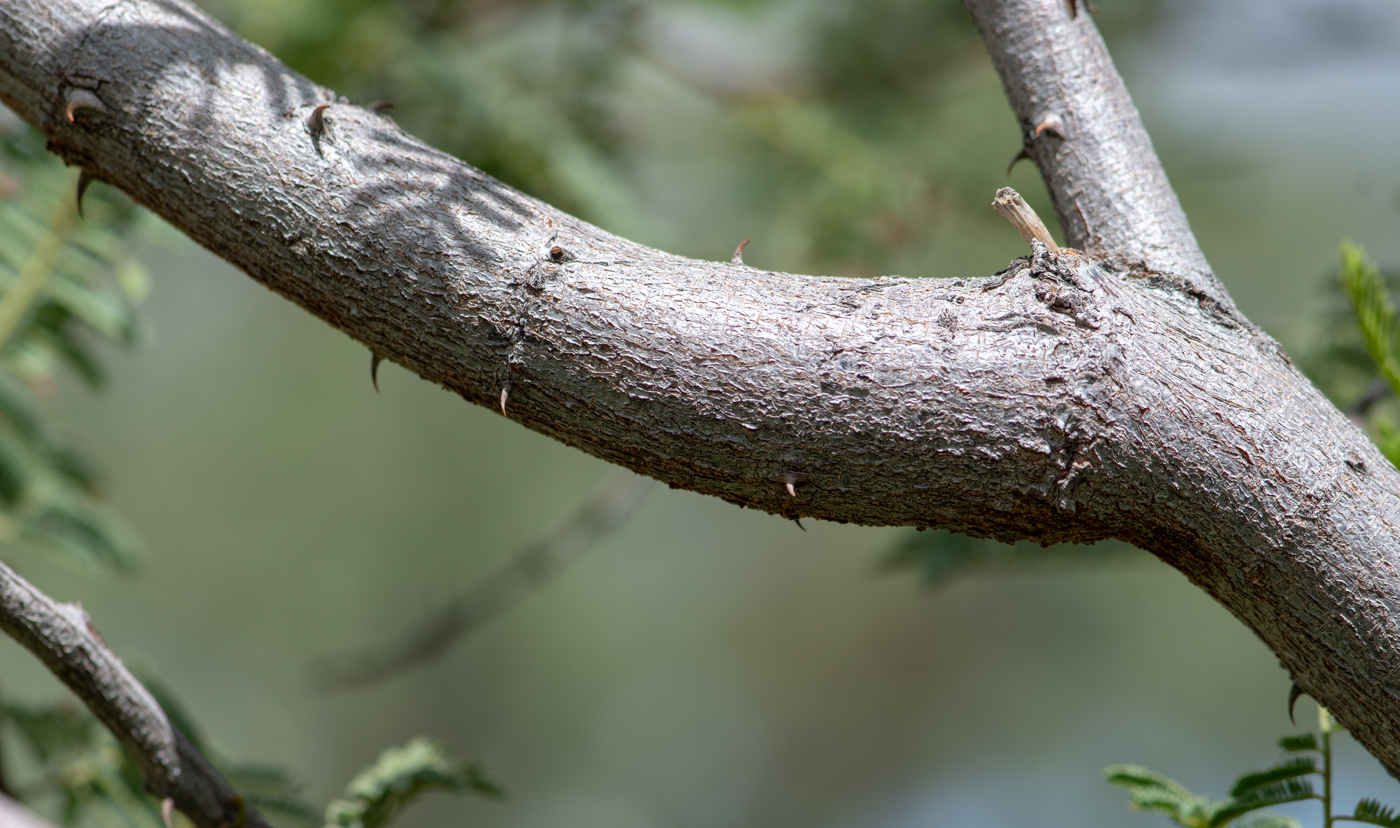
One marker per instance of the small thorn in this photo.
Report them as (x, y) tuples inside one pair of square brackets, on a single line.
[(374, 360), (85, 180), (316, 121), (167, 807), (1052, 124), (790, 483), (1073, 8), (83, 99), (798, 521), (505, 395), (738, 257), (1293, 695), (380, 106), (1023, 155)]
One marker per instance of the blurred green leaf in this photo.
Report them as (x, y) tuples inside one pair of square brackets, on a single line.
[(1373, 812), (1290, 769), (400, 776)]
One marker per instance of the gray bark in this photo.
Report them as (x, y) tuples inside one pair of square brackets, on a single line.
[(1115, 393), (64, 638)]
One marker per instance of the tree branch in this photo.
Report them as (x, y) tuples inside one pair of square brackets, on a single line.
[(1069, 398), (1080, 127), (63, 637)]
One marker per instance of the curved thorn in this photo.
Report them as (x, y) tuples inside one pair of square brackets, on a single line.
[(85, 180), (790, 483), (505, 395), (374, 361), (1293, 695), (316, 121), (380, 106), (83, 99), (798, 521), (738, 257), (1023, 155), (167, 805), (1051, 123)]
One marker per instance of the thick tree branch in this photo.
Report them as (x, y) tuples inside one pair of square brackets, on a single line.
[(63, 637), (1060, 400)]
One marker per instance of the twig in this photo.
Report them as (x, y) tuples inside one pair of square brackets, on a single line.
[(527, 571), (1010, 204), (63, 637)]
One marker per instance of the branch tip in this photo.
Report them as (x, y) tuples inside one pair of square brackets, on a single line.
[(1010, 204)]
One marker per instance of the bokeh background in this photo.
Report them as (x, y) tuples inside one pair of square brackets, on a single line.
[(705, 666)]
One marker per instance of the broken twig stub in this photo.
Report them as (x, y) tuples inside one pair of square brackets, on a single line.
[(1010, 204)]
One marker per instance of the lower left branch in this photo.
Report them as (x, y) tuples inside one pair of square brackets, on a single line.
[(63, 637)]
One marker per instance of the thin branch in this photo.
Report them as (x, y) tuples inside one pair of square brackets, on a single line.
[(1080, 127), (525, 572), (64, 638)]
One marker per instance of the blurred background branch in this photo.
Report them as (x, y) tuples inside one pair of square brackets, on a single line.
[(526, 571)]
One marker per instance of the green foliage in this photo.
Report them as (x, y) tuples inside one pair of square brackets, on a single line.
[(1151, 791), (401, 775), (1375, 312), (65, 284), (81, 770), (1291, 780), (1373, 812), (1252, 783), (1296, 744)]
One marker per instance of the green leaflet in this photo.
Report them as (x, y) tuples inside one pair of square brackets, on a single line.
[(399, 776), (1301, 742), (1251, 783), (1373, 812), (1375, 312), (66, 284), (1286, 782), (1151, 791), (1278, 793), (83, 774)]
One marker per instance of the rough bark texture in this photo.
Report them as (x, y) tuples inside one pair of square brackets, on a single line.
[(63, 637), (1067, 398)]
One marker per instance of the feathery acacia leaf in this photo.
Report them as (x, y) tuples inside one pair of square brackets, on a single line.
[(400, 776), (1278, 793), (1290, 769), (1301, 742), (1373, 812)]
